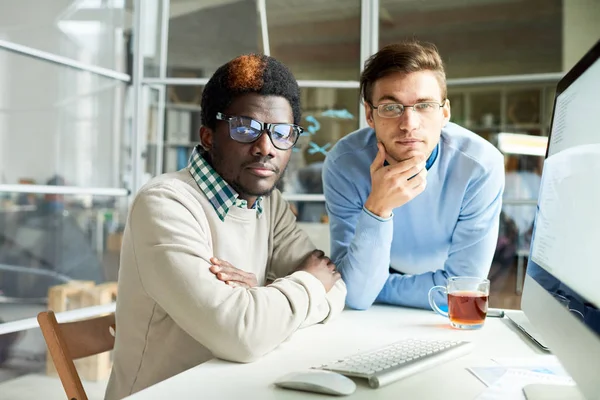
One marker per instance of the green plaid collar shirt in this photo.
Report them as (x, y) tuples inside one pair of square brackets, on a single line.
[(219, 193)]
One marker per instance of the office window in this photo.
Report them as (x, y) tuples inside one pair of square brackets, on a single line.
[(90, 32), (65, 152), (59, 121), (481, 38), (328, 115), (202, 36), (316, 39)]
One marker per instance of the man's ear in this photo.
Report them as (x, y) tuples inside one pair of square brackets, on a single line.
[(206, 137), (446, 111), (369, 115)]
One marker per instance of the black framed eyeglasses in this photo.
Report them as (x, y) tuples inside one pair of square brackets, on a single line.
[(248, 130), (394, 110)]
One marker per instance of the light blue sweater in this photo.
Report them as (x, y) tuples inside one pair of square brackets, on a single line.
[(450, 229)]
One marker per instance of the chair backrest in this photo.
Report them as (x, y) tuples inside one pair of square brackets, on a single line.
[(72, 340)]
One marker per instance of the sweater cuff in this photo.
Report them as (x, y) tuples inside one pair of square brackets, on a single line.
[(336, 298), (377, 217), (318, 306), (313, 286)]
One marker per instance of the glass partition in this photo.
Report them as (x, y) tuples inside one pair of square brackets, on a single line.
[(317, 40), (87, 31)]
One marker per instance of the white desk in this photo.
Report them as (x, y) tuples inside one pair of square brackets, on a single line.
[(353, 331)]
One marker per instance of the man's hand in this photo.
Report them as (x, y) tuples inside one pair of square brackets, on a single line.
[(390, 185), (231, 275), (321, 267)]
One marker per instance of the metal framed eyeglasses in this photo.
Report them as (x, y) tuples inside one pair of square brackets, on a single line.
[(248, 130), (394, 110)]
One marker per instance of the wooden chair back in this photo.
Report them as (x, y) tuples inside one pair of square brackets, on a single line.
[(69, 341)]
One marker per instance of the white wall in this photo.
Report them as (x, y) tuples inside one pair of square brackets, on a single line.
[(581, 29)]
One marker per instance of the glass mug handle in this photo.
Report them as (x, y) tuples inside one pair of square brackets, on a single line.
[(434, 306)]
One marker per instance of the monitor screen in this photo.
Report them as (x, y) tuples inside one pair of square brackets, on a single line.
[(565, 248)]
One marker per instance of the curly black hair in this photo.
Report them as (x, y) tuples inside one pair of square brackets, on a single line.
[(251, 73)]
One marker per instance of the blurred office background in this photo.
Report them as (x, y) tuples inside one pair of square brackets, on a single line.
[(98, 96)]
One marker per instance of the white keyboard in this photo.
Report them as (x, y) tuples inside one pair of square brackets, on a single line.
[(398, 360)]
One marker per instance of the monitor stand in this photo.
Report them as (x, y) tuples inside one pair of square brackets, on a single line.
[(552, 392)]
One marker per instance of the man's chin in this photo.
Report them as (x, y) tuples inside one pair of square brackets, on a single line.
[(393, 160), (256, 189), (258, 192), (396, 158)]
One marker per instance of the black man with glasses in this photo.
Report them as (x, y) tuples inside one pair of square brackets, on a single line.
[(213, 263), (413, 199)]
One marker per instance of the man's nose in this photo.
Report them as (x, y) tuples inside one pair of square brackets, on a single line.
[(410, 119), (263, 146)]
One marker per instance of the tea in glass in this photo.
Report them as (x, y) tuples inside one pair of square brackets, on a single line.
[(468, 299)]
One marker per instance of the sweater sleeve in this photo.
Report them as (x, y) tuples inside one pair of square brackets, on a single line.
[(172, 253), (291, 245), (360, 240), (472, 244)]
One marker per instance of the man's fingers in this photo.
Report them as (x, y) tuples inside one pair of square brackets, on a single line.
[(419, 181), (409, 166), (318, 253), (231, 276), (224, 271), (379, 158), (221, 263), (414, 172), (237, 284)]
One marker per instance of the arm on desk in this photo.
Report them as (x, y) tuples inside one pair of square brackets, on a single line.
[(360, 240), (237, 324), (291, 246), (471, 249)]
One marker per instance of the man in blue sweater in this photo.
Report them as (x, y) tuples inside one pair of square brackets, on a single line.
[(413, 199)]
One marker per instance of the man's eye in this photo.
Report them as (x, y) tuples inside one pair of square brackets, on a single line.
[(391, 107), (245, 131), (282, 131), (423, 106)]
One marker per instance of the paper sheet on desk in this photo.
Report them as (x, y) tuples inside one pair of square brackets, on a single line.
[(528, 362), (510, 385), (545, 364)]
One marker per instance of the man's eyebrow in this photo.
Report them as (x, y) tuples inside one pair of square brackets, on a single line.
[(388, 97), (419, 100)]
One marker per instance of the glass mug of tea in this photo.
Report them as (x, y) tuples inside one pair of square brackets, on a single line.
[(467, 301)]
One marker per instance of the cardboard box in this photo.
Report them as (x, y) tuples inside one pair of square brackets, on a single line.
[(114, 242)]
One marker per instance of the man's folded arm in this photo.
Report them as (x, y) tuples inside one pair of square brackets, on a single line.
[(360, 241), (291, 246), (172, 257)]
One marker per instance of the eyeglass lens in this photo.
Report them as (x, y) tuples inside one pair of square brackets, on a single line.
[(247, 130)]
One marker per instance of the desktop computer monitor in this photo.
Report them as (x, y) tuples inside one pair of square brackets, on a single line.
[(561, 296)]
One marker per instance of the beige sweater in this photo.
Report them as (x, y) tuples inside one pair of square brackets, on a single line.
[(172, 312)]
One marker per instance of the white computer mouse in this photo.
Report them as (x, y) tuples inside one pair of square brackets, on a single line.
[(318, 381)]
